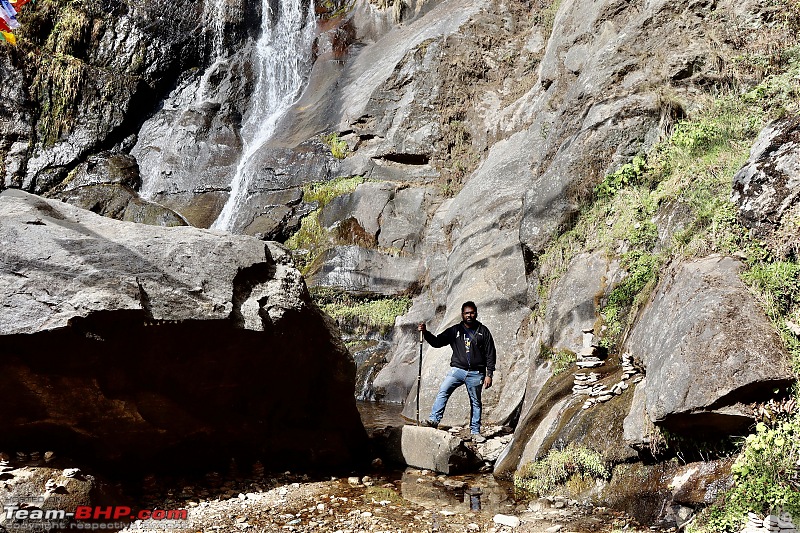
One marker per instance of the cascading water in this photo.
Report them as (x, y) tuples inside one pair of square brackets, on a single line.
[(214, 14), (282, 59)]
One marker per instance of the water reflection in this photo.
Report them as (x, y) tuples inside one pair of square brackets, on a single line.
[(375, 415), (457, 494), (474, 496)]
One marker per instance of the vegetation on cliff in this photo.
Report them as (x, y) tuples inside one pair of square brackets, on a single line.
[(674, 203), (311, 240)]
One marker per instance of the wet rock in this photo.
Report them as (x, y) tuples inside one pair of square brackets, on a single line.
[(699, 300), (112, 346), (572, 304), (358, 269)]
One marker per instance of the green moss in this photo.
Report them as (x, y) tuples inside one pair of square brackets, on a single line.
[(626, 298), (559, 467), (383, 494), (355, 313), (546, 17), (56, 87)]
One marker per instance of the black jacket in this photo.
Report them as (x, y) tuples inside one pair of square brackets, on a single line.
[(481, 357)]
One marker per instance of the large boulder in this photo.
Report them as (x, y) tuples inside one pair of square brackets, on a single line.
[(572, 305), (131, 344), (708, 350), (767, 188)]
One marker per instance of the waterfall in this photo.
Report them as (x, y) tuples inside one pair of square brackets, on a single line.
[(282, 60), (214, 15)]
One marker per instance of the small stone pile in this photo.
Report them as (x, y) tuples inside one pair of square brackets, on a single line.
[(630, 369), (773, 523), (587, 356), (497, 438), (588, 384)]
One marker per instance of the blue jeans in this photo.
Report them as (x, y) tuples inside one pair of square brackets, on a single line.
[(473, 379)]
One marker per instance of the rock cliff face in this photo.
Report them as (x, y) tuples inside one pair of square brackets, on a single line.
[(480, 130), (135, 345)]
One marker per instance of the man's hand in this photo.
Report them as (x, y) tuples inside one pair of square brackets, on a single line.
[(487, 382), (421, 327)]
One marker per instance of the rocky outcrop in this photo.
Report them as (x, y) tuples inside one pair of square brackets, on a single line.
[(706, 308), (106, 184), (128, 345), (767, 188), (92, 80), (52, 491)]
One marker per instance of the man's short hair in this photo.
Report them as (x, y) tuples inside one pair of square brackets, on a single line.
[(469, 303)]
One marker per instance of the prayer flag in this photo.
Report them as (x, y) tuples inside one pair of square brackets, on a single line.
[(8, 36)]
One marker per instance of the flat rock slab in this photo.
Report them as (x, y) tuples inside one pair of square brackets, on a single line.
[(430, 449)]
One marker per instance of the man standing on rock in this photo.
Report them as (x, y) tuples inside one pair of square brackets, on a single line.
[(472, 364)]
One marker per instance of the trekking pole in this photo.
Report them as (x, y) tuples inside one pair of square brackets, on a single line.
[(419, 374)]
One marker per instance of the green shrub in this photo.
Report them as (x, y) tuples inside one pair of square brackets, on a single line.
[(558, 467), (627, 175), (312, 238), (338, 147), (766, 477)]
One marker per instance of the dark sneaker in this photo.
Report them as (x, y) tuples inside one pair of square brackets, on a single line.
[(428, 423), (478, 438)]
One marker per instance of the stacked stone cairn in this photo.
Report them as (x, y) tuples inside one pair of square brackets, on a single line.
[(588, 384), (773, 523), (587, 357)]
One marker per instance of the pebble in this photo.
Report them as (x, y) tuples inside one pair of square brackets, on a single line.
[(554, 529), (506, 520)]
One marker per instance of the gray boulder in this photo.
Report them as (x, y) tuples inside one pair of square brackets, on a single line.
[(572, 305), (767, 187), (637, 427), (430, 448), (125, 345), (708, 350)]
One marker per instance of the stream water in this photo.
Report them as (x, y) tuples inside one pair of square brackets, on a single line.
[(480, 492), (282, 61)]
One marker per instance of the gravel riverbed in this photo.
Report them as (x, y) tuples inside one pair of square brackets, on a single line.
[(409, 501)]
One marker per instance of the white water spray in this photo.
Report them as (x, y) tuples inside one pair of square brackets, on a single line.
[(282, 59), (214, 15)]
